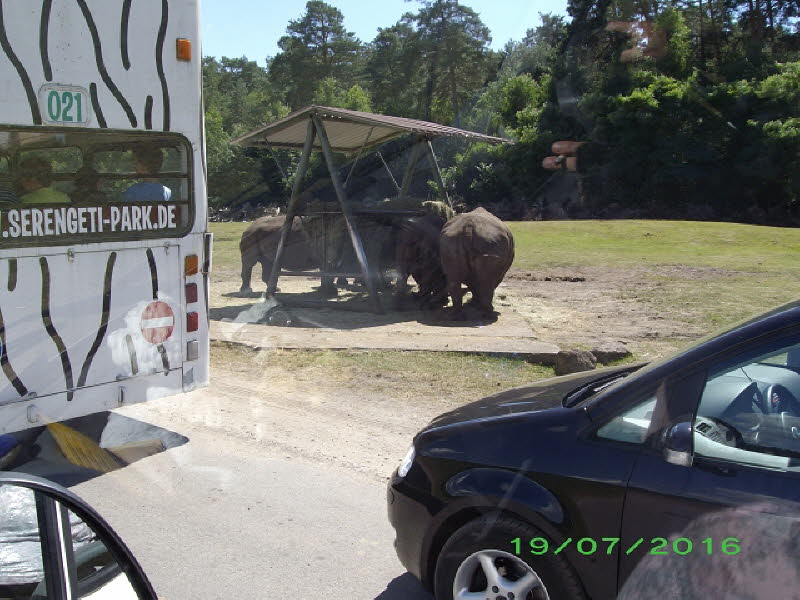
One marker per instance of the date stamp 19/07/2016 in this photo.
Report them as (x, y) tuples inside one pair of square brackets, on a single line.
[(609, 545)]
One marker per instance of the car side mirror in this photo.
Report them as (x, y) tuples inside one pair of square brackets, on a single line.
[(678, 444), (53, 545)]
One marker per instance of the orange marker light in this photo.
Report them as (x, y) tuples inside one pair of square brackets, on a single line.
[(190, 264), (183, 49)]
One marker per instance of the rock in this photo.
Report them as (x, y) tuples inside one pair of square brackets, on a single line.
[(610, 351), (573, 361)]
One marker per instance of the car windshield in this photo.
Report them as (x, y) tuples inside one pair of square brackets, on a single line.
[(365, 215), (657, 364)]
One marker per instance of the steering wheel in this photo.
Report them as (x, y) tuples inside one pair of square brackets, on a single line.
[(779, 400)]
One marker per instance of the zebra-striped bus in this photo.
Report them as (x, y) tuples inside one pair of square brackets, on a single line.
[(104, 250)]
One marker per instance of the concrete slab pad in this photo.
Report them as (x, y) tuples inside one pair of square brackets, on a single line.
[(347, 323), (260, 336)]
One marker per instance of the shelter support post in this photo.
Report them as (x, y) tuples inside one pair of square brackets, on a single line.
[(369, 276), (291, 210), (389, 171), (436, 171), (408, 176)]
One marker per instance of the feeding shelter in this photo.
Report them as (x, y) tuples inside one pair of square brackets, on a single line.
[(330, 130)]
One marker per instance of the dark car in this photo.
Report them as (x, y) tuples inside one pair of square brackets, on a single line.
[(560, 489)]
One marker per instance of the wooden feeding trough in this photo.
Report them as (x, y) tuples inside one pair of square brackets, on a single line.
[(331, 130)]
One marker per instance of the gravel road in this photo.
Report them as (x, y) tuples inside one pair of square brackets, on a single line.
[(278, 493)]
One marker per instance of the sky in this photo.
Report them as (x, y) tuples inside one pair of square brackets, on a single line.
[(252, 28)]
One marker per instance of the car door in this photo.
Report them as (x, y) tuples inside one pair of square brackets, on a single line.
[(735, 491)]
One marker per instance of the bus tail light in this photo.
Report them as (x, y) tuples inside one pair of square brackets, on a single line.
[(191, 293), (192, 321), (191, 264)]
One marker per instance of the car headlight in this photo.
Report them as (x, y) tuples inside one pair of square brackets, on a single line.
[(402, 470)]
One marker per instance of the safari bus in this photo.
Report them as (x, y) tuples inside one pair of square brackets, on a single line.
[(104, 248)]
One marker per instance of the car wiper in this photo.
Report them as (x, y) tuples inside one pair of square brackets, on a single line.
[(587, 390)]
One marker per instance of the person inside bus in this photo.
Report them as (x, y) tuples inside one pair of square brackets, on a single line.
[(36, 181), (7, 196), (148, 161), (87, 186)]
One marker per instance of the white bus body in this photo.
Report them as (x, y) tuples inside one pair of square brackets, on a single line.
[(103, 290)]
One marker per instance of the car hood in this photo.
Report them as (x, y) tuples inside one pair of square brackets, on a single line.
[(528, 398)]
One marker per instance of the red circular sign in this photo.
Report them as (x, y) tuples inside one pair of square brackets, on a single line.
[(158, 321)]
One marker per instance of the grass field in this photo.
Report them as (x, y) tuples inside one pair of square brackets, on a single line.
[(450, 375)]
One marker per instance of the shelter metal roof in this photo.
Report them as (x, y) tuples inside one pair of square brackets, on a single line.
[(350, 130)]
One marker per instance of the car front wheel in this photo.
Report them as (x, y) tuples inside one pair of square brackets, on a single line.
[(478, 562)]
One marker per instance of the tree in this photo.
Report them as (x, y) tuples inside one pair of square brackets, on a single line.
[(330, 92), (238, 97), (316, 46), (395, 60), (454, 48), (241, 91)]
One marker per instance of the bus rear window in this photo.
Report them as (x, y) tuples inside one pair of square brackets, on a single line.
[(78, 186)]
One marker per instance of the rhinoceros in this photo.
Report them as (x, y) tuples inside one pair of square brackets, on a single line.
[(476, 249), (260, 242), (417, 254)]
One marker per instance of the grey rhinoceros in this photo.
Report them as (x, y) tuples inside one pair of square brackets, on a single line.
[(476, 249), (260, 242), (417, 254)]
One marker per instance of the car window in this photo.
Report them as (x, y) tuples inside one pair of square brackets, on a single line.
[(632, 425), (97, 574), (750, 409), (21, 568)]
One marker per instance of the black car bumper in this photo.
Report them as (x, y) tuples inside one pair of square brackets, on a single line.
[(411, 520)]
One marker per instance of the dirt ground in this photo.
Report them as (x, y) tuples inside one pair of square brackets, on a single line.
[(295, 407), (589, 306), (571, 307)]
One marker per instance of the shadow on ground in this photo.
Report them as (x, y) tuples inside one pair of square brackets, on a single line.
[(404, 587), (91, 441), (355, 312)]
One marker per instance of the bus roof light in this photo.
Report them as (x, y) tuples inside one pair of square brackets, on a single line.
[(183, 49)]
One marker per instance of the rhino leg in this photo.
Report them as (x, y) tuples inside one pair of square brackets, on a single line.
[(327, 287), (455, 270), (401, 286), (457, 294), (249, 260), (489, 273), (483, 297)]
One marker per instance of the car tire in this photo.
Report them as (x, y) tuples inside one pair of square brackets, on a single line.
[(491, 536)]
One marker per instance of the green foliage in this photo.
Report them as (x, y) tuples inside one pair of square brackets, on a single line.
[(691, 110), (678, 56), (330, 92), (518, 95), (357, 98), (238, 98), (394, 58), (317, 46), (453, 48)]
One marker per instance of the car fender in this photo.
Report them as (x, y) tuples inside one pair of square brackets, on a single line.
[(483, 490), (505, 489)]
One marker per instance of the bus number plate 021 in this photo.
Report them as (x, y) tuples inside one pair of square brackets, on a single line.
[(64, 105)]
